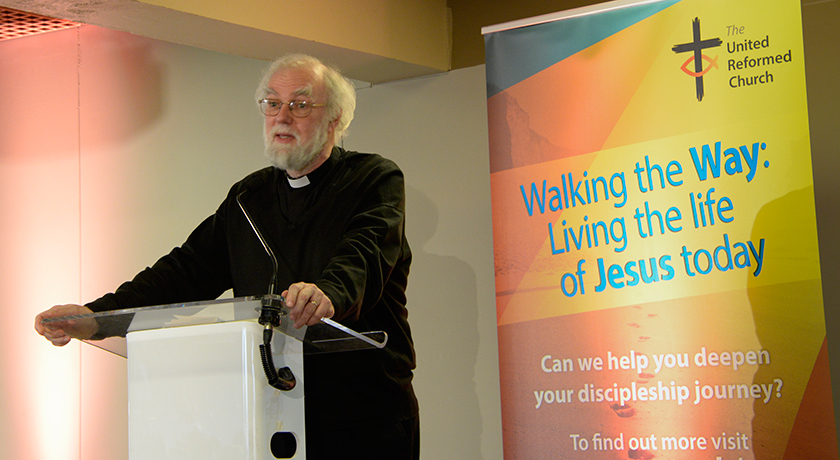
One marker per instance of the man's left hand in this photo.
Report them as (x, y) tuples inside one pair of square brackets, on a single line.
[(308, 304)]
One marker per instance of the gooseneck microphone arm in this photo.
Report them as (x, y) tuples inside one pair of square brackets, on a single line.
[(281, 379), (272, 286)]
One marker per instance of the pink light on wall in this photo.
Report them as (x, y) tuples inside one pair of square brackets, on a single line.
[(39, 243), (71, 99), (111, 150)]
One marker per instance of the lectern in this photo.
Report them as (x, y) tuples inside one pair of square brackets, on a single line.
[(198, 385)]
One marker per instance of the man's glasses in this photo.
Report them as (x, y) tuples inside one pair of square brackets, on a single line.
[(298, 109)]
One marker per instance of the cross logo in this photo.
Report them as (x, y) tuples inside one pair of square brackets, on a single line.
[(697, 46)]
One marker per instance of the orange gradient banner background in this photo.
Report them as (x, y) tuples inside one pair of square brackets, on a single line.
[(657, 270)]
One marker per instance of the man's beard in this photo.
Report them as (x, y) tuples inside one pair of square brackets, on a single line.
[(296, 157)]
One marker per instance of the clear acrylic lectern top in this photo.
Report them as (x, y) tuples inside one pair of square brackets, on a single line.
[(107, 330)]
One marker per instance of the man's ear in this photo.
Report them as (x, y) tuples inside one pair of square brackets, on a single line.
[(334, 123)]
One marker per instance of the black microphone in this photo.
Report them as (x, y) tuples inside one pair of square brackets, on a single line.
[(281, 379)]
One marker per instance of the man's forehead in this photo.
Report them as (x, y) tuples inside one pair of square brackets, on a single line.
[(300, 82)]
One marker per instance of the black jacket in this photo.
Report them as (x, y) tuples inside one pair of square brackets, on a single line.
[(345, 233)]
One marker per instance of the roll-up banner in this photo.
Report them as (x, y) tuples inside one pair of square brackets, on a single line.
[(657, 273)]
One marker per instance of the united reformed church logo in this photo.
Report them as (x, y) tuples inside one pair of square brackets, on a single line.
[(696, 47)]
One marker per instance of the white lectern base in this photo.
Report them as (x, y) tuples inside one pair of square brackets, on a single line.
[(199, 392)]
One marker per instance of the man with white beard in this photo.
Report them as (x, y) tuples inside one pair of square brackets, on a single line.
[(335, 219)]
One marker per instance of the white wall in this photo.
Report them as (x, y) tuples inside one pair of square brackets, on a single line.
[(435, 128)]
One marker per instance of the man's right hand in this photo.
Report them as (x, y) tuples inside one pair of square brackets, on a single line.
[(60, 332)]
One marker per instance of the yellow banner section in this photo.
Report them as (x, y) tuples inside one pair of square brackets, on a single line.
[(705, 212)]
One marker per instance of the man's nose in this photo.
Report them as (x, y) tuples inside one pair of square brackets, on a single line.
[(285, 114)]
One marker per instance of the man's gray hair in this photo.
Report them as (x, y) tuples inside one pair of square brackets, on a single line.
[(341, 95)]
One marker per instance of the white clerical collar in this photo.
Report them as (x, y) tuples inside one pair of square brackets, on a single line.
[(300, 182)]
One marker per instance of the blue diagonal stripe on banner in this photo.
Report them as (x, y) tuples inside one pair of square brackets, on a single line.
[(518, 56)]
